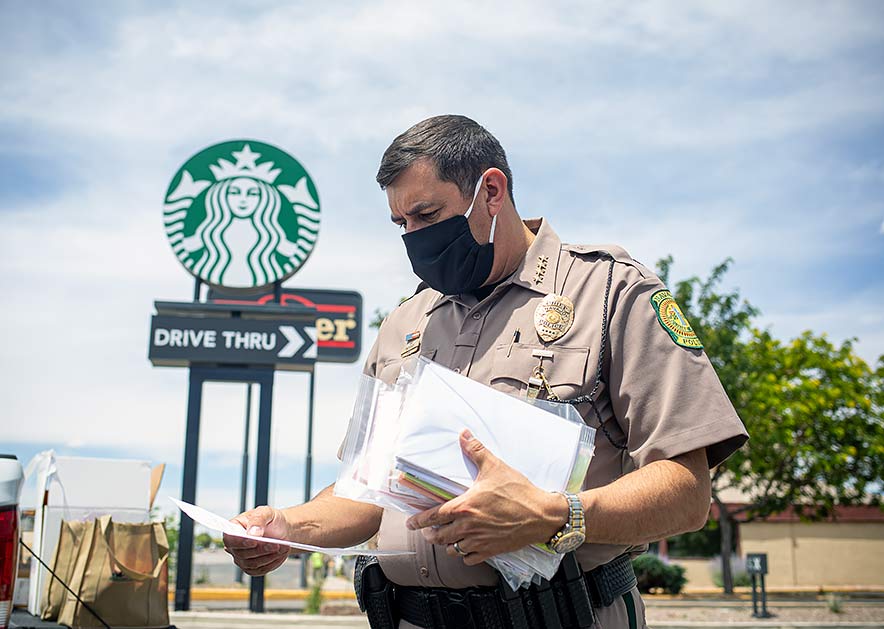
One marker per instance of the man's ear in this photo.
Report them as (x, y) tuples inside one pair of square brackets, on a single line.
[(494, 191)]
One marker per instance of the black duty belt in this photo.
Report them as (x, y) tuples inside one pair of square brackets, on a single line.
[(560, 603)]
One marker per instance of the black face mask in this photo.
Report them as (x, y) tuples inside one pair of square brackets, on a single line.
[(447, 257)]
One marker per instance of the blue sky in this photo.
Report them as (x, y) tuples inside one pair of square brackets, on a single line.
[(753, 130)]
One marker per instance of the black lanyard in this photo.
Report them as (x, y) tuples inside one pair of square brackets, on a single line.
[(591, 398)]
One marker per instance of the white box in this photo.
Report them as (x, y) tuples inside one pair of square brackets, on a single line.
[(74, 488)]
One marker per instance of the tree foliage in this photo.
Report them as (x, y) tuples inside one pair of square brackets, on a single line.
[(814, 410)]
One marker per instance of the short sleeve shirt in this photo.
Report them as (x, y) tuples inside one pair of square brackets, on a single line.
[(656, 398)]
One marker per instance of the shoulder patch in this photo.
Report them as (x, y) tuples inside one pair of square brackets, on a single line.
[(673, 320)]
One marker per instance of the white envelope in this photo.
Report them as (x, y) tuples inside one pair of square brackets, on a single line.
[(537, 443)]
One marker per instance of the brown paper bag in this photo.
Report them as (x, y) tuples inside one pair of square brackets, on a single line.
[(121, 572), (62, 564)]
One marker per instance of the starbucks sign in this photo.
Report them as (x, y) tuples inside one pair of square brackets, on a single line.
[(242, 215)]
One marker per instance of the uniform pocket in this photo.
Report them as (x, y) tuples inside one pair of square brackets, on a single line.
[(565, 369), (390, 368)]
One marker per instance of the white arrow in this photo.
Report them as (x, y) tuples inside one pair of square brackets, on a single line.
[(310, 331), (294, 341)]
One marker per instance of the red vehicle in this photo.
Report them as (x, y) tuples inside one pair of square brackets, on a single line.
[(10, 488)]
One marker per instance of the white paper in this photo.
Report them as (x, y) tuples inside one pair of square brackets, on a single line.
[(222, 525), (442, 403)]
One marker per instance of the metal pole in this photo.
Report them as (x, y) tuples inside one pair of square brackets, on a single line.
[(754, 597), (308, 472), (188, 491), (262, 473), (197, 286), (244, 478), (764, 612), (308, 466)]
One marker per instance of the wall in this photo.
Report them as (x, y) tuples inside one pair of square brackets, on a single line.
[(818, 554)]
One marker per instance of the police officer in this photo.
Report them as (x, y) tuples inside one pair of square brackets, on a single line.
[(505, 302)]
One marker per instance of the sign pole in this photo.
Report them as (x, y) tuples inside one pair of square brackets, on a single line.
[(308, 472), (262, 472), (756, 566), (188, 490), (244, 479), (308, 465)]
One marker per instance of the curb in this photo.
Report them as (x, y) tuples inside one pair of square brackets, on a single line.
[(245, 620), (741, 594), (242, 594), (763, 625)]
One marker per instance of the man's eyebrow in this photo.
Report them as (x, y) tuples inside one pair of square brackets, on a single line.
[(420, 207), (415, 209)]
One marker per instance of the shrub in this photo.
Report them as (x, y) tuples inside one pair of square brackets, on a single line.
[(653, 573), (738, 570), (314, 599), (833, 601), (741, 578)]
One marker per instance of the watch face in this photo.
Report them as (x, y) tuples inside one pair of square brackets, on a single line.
[(568, 542)]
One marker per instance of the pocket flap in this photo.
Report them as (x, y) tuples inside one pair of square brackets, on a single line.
[(566, 365)]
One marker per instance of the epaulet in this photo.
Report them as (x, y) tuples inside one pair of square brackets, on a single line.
[(422, 289), (417, 291), (608, 252)]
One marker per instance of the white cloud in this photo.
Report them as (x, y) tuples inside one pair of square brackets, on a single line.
[(645, 84)]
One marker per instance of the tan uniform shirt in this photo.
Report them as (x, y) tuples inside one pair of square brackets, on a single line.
[(658, 398)]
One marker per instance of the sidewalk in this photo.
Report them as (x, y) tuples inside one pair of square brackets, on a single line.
[(217, 608), (245, 620)]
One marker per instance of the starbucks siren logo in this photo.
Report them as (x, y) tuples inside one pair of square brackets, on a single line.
[(242, 215)]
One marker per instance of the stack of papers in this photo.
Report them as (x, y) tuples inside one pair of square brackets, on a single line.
[(403, 451), (442, 403)]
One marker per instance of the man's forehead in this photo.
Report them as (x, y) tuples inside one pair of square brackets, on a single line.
[(418, 188)]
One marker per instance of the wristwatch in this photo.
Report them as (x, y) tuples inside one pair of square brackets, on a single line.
[(573, 534)]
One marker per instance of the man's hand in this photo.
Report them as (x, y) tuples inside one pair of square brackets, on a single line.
[(502, 512), (258, 558)]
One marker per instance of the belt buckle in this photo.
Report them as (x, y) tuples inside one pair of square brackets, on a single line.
[(456, 610)]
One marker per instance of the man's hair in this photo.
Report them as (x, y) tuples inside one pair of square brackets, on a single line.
[(460, 148)]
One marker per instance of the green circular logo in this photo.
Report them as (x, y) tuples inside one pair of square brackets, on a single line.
[(242, 215)]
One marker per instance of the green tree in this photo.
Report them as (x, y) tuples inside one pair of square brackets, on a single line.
[(814, 411), (203, 541), (171, 526), (377, 318)]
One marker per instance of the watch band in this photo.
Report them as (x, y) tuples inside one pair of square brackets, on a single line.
[(573, 534)]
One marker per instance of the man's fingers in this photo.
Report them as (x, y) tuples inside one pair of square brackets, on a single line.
[(437, 516), (474, 559), (422, 519), (431, 517), (464, 548), (260, 521), (259, 550), (258, 557), (444, 534), (234, 542), (269, 568), (262, 565), (476, 450)]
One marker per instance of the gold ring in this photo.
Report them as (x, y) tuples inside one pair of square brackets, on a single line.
[(458, 549)]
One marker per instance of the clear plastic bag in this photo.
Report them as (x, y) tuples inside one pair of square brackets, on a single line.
[(384, 423)]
